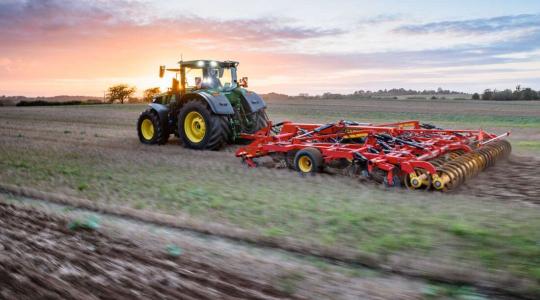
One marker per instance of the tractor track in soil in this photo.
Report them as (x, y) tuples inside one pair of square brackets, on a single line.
[(41, 257)]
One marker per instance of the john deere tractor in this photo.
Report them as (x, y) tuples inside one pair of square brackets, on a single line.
[(207, 107)]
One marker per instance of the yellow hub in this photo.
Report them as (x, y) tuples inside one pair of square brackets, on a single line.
[(147, 129), (418, 179), (439, 182), (415, 181), (195, 127), (305, 164)]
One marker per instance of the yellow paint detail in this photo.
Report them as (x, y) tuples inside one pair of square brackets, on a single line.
[(305, 164), (405, 125), (147, 129), (355, 136), (195, 127)]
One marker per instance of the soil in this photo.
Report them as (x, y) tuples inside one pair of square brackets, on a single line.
[(42, 258), (513, 179)]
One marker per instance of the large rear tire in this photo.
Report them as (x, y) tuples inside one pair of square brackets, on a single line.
[(200, 129), (151, 129), (260, 120)]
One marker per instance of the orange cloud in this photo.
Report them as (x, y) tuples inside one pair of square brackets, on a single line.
[(52, 47), (75, 47)]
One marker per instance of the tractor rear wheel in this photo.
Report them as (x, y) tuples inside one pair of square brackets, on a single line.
[(151, 129), (308, 160), (200, 129), (260, 120)]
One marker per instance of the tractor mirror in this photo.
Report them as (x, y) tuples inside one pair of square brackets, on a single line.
[(161, 71), (244, 82)]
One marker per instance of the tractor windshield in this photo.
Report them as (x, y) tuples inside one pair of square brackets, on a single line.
[(215, 78), (221, 78)]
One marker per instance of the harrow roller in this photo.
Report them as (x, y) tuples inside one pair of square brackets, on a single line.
[(457, 171)]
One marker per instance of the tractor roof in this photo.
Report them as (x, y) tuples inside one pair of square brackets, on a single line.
[(206, 62)]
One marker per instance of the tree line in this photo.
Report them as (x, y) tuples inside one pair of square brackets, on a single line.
[(124, 93), (505, 95)]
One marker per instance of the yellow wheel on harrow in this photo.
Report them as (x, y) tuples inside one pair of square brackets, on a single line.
[(305, 164), (308, 160)]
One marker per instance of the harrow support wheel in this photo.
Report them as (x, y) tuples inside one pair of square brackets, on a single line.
[(308, 161)]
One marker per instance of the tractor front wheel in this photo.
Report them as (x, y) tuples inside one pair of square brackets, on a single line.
[(200, 129), (150, 129)]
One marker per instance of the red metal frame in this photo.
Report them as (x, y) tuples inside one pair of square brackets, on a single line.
[(409, 146)]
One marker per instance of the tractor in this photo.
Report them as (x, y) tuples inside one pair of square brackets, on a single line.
[(207, 107)]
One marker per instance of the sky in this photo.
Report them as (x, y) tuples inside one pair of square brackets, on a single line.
[(55, 47)]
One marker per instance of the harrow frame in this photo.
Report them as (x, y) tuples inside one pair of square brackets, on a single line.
[(403, 151)]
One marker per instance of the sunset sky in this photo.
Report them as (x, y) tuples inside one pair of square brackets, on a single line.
[(53, 47)]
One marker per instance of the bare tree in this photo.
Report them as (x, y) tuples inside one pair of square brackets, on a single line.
[(119, 92), (149, 94)]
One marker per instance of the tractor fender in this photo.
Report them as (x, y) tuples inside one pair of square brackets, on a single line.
[(162, 111), (219, 104), (252, 101)]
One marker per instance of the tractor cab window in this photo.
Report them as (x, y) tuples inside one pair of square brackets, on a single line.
[(215, 78), (211, 79), (194, 77), (226, 78), (220, 78)]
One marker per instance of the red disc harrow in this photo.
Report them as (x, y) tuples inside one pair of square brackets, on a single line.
[(418, 156)]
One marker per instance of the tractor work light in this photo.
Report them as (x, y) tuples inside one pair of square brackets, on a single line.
[(200, 63)]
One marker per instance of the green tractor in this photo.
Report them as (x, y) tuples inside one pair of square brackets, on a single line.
[(207, 107)]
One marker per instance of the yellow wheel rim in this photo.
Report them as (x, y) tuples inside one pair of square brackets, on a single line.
[(195, 127), (147, 129), (305, 164)]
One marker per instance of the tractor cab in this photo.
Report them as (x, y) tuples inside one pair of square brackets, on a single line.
[(210, 75), (206, 106)]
